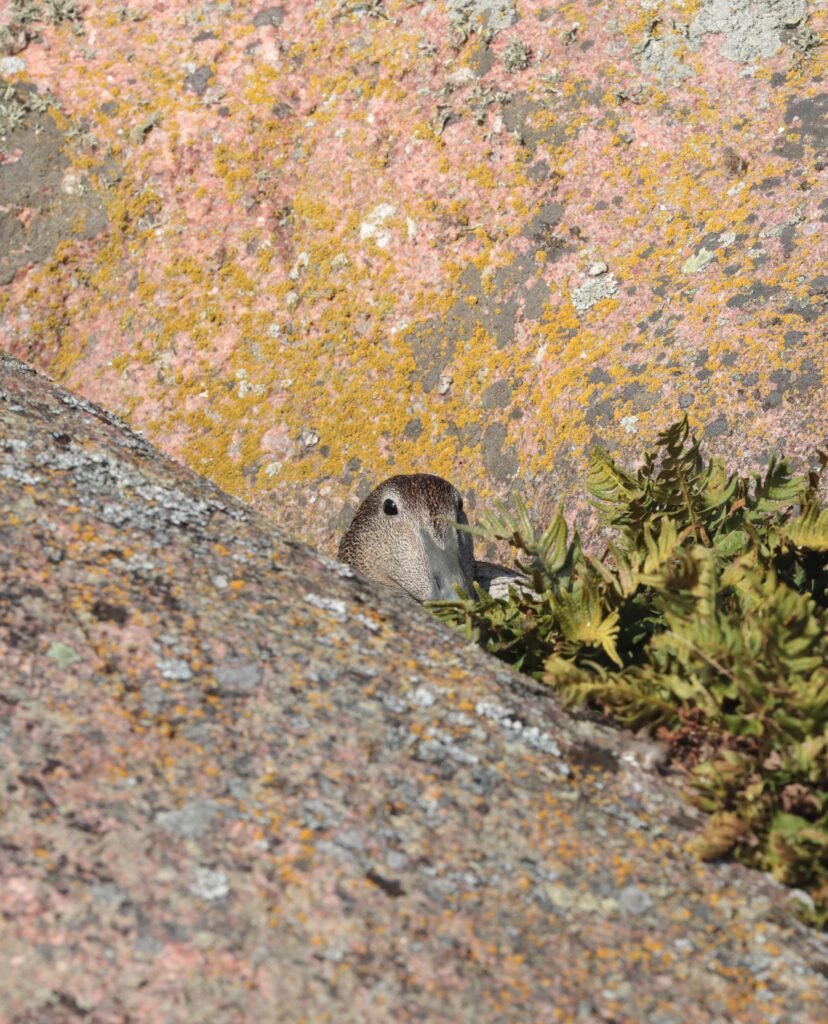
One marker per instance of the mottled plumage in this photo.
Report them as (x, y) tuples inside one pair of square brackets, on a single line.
[(413, 544), (405, 535)]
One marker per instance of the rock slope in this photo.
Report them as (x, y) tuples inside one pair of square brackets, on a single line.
[(237, 783)]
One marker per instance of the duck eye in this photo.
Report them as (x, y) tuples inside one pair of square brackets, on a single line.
[(389, 507)]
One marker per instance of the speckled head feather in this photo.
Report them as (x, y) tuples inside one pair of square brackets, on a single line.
[(404, 535)]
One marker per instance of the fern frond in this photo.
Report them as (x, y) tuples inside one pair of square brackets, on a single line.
[(809, 530), (778, 488), (610, 487)]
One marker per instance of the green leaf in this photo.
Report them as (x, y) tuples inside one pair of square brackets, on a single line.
[(778, 488), (788, 825), (553, 544), (732, 543), (809, 530)]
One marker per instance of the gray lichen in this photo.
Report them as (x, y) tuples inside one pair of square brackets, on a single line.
[(516, 56)]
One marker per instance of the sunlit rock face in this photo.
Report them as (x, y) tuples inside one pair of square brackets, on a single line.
[(306, 248)]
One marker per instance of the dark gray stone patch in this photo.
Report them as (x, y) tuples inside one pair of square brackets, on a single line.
[(517, 290), (198, 81), (718, 428), (481, 60), (808, 118), (35, 182), (516, 273), (433, 344), (810, 310), (538, 172), (497, 395), (591, 757), (413, 429), (273, 16), (501, 464), (535, 299), (599, 376), (641, 398), (541, 230), (809, 377), (600, 412), (787, 238), (819, 285), (498, 318), (518, 119), (757, 293), (469, 436), (710, 241)]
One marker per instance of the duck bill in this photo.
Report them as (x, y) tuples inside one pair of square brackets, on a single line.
[(446, 568)]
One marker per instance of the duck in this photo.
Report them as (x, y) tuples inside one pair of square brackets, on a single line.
[(408, 534)]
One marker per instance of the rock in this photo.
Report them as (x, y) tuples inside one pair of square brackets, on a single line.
[(276, 240), (339, 810)]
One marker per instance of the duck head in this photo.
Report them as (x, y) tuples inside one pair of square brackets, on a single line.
[(404, 535)]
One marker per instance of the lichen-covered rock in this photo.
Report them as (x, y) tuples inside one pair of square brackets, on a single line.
[(335, 232), (238, 783)]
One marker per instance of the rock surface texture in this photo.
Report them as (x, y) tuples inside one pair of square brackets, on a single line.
[(337, 241), (237, 783)]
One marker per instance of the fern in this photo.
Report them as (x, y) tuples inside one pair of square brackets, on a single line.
[(710, 605), (809, 530)]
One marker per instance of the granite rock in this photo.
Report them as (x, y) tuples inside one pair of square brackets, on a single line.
[(339, 811)]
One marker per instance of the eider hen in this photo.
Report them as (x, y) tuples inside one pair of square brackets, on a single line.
[(405, 535)]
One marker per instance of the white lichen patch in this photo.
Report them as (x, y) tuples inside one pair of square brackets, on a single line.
[(697, 262), (593, 291), (210, 885), (374, 225), (481, 15), (752, 29), (328, 604)]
